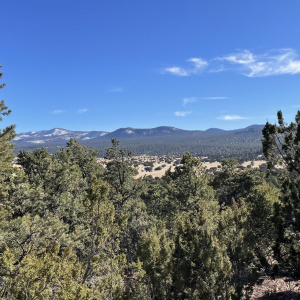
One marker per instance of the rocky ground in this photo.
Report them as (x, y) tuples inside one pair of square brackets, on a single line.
[(281, 288)]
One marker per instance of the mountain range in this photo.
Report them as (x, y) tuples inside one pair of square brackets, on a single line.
[(146, 141)]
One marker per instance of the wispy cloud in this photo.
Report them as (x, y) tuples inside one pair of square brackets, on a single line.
[(213, 98), (232, 118), (198, 66), (177, 71), (244, 57), (57, 111), (275, 62), (182, 113), (185, 101), (217, 70), (198, 62), (82, 110), (116, 90), (245, 62)]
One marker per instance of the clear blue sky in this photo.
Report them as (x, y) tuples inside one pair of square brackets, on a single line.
[(106, 64)]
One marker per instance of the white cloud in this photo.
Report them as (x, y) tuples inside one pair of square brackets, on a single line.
[(232, 118), (185, 101), (116, 90), (275, 62), (199, 63), (82, 110), (198, 66), (270, 63), (177, 71), (182, 113), (57, 111), (244, 57)]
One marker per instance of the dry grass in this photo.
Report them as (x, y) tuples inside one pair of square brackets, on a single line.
[(254, 163), (165, 163)]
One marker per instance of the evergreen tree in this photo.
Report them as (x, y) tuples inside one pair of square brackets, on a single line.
[(281, 147), (156, 251), (125, 193), (246, 227), (6, 154), (120, 174), (187, 184), (233, 183), (201, 266)]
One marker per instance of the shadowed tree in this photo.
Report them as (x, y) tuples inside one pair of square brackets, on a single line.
[(6, 154), (281, 147)]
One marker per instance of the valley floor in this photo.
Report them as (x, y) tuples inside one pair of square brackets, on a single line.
[(156, 166)]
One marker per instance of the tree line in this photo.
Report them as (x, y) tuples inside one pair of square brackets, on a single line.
[(72, 229), (243, 146)]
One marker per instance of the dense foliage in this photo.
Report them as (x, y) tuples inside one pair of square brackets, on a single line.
[(72, 229)]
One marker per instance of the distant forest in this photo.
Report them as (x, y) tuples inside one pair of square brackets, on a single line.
[(242, 146)]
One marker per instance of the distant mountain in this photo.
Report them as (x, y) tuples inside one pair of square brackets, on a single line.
[(62, 135), (55, 135), (163, 140), (215, 130), (249, 129), (146, 133)]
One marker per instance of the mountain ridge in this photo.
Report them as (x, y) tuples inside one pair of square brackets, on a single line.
[(162, 140), (125, 131)]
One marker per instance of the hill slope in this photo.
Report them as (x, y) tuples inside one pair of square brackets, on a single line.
[(163, 140)]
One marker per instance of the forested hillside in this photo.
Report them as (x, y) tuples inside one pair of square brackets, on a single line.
[(72, 229), (244, 144)]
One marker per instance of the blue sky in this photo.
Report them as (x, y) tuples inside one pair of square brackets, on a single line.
[(192, 64)]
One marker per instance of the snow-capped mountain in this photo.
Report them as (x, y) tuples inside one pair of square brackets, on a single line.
[(161, 139), (59, 135), (56, 135)]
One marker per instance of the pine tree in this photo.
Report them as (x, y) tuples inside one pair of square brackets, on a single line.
[(6, 149), (156, 250), (201, 266), (120, 174), (187, 184), (281, 147)]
